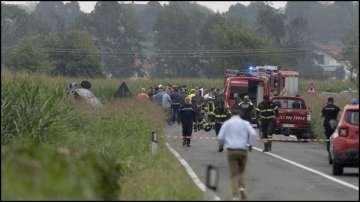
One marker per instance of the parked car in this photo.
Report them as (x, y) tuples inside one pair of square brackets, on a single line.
[(293, 116), (344, 142)]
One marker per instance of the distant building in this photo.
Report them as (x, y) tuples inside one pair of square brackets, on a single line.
[(330, 66)]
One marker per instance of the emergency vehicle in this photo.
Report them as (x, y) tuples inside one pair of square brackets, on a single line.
[(282, 83), (239, 83), (267, 80), (293, 116)]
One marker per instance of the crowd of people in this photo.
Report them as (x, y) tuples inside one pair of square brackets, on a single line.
[(195, 108)]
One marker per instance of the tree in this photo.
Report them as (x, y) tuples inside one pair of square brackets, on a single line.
[(13, 23), (326, 22), (70, 54), (177, 29), (271, 22), (29, 58), (79, 56), (117, 35), (351, 50)]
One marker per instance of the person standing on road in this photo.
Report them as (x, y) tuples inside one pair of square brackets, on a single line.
[(329, 113), (266, 114), (221, 115), (237, 136), (246, 107), (175, 105), (197, 102), (187, 116), (166, 103)]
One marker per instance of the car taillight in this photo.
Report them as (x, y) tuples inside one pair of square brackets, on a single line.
[(343, 132), (308, 117)]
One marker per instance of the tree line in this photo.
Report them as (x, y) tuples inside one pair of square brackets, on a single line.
[(179, 39)]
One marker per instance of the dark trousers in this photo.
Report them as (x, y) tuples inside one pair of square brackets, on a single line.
[(175, 113), (328, 132), (267, 127), (187, 128), (217, 128)]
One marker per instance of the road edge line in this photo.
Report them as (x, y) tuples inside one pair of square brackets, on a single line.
[(189, 171), (309, 169)]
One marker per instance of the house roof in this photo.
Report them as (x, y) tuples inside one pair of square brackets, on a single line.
[(333, 50)]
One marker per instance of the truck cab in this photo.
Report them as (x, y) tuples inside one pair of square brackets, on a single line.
[(293, 116), (238, 84)]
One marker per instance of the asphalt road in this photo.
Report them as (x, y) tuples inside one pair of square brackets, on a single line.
[(268, 177)]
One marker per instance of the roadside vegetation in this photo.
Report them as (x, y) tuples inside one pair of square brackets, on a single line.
[(55, 149), (317, 101)]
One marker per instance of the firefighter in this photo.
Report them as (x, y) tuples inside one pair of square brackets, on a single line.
[(266, 115), (187, 116), (221, 115), (209, 108), (246, 108), (330, 113), (197, 102), (192, 94)]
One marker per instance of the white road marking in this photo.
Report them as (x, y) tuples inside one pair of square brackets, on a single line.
[(310, 169), (190, 171)]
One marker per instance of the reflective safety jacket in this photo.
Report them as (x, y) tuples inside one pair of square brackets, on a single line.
[(266, 111), (221, 115), (210, 106), (190, 96)]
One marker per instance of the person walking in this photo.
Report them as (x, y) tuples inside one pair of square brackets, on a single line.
[(187, 116), (166, 104), (266, 114), (175, 105), (197, 102), (329, 112), (158, 95), (237, 136)]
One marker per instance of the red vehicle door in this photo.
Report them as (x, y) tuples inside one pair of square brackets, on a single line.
[(292, 112)]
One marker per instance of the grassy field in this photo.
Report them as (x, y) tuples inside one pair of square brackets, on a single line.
[(54, 149)]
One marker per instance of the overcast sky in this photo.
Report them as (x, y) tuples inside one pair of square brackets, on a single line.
[(221, 6)]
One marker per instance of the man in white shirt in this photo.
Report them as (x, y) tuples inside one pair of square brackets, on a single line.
[(237, 136)]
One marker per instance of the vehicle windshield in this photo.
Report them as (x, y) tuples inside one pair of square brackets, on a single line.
[(352, 117), (290, 104)]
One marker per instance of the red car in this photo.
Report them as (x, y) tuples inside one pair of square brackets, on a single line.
[(293, 116), (344, 142)]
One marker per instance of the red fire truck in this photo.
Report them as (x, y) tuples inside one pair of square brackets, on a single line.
[(239, 83), (284, 83)]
